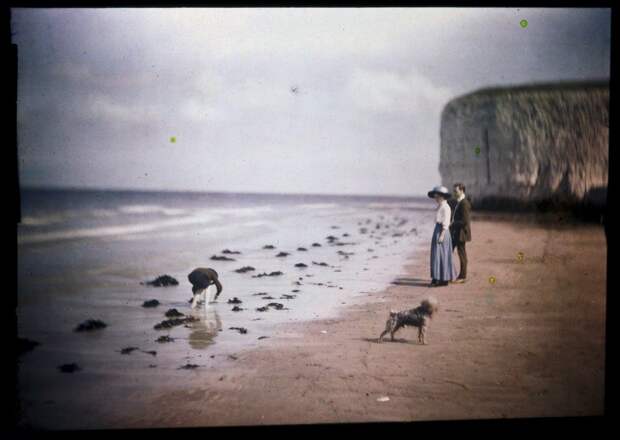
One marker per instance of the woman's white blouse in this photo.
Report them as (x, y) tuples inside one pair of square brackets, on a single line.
[(443, 215)]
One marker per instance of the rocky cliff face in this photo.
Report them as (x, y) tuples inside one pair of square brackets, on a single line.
[(529, 144)]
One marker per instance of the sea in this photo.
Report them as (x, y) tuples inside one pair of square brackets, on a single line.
[(85, 254)]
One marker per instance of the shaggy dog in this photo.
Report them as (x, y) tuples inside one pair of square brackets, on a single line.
[(419, 317)]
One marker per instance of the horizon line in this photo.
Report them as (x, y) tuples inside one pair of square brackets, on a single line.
[(74, 188)]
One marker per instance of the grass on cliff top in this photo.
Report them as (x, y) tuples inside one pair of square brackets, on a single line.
[(538, 87)]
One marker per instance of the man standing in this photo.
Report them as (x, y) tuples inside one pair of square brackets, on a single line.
[(460, 228)]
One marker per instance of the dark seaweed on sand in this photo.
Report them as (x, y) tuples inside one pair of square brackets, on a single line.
[(169, 323), (269, 246), (89, 325), (302, 249), (283, 254), (165, 338), (228, 251), (222, 258), (152, 352), (316, 244), (234, 300), (276, 306), (237, 309), (245, 269), (320, 264), (301, 265), (241, 330), (128, 350), (264, 274), (150, 303), (173, 313), (164, 280), (189, 367)]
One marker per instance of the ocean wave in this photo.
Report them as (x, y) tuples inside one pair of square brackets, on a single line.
[(43, 220), (251, 211), (111, 230), (401, 205), (219, 231), (102, 213), (254, 224), (150, 209), (174, 211), (318, 205), (62, 216)]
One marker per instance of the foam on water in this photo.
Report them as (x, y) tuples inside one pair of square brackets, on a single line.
[(42, 220), (317, 205), (151, 209), (72, 234), (140, 209)]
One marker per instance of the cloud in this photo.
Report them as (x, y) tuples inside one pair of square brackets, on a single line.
[(72, 71), (103, 107), (390, 92), (102, 90)]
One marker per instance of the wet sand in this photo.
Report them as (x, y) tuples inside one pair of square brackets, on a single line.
[(531, 344)]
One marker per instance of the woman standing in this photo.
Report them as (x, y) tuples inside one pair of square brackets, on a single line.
[(442, 267)]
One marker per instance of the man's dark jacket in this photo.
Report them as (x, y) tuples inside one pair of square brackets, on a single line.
[(460, 229)]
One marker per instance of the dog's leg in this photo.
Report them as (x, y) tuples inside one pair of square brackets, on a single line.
[(419, 334), (423, 332), (394, 330), (381, 336), (387, 329)]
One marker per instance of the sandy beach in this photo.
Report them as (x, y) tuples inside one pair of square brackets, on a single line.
[(531, 344)]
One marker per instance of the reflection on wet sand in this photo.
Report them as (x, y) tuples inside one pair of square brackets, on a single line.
[(205, 329)]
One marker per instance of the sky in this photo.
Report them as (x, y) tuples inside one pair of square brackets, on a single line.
[(278, 100)]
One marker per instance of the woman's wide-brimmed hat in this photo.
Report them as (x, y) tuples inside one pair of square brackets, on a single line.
[(441, 190)]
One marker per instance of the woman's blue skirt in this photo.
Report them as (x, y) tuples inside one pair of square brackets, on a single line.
[(442, 266)]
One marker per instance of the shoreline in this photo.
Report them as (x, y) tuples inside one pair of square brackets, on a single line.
[(510, 349)]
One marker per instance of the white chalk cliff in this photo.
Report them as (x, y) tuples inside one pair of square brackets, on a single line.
[(529, 144)]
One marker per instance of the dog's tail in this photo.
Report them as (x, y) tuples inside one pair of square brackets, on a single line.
[(431, 304)]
